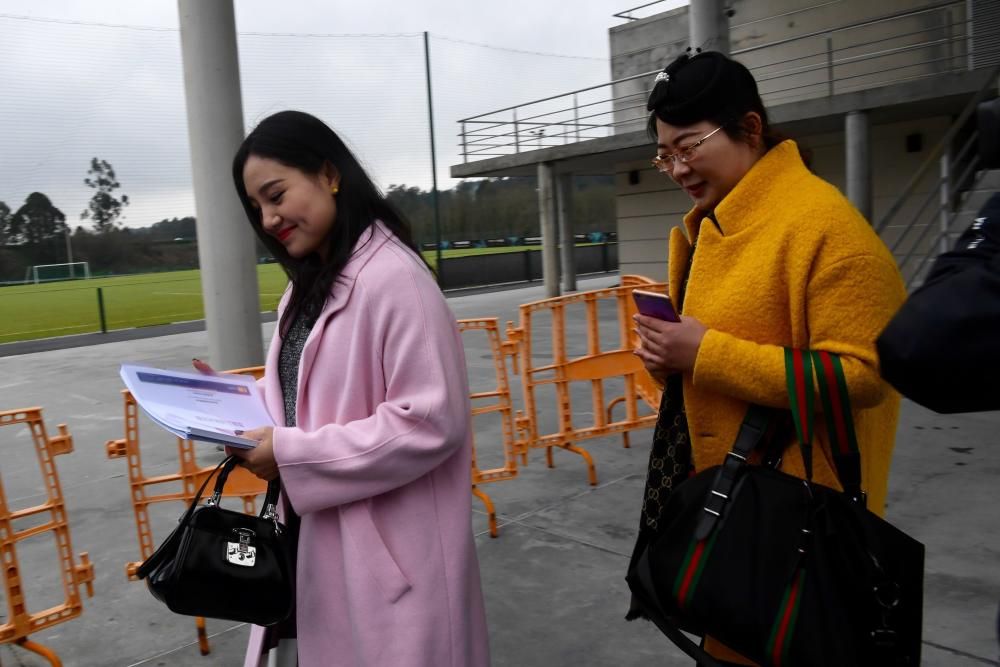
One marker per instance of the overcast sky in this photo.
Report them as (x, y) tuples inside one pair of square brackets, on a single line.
[(103, 78)]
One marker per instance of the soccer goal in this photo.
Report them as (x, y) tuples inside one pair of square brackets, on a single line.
[(43, 273)]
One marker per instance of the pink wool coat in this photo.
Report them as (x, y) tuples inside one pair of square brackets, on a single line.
[(378, 469)]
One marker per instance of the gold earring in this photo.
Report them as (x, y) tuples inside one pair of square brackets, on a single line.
[(334, 189)]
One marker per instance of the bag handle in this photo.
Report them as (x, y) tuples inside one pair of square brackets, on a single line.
[(268, 512), (756, 425), (839, 422), (166, 549), (269, 509), (800, 368), (802, 399)]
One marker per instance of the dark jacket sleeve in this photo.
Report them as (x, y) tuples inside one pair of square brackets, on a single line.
[(942, 349)]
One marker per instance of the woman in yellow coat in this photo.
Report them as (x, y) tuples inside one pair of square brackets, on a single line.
[(774, 257)]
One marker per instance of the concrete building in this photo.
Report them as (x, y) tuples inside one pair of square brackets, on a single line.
[(882, 95)]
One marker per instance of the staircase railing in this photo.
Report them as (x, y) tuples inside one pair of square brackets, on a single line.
[(910, 244)]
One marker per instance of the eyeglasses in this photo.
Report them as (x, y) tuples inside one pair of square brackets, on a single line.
[(665, 163)]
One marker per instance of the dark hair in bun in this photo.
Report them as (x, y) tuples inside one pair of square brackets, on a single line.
[(707, 86)]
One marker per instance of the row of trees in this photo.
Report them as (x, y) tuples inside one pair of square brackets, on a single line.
[(501, 207), (38, 220), (37, 232)]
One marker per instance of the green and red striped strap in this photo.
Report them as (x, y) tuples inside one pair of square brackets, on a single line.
[(784, 622), (689, 574), (801, 396), (836, 403), (839, 422), (800, 367)]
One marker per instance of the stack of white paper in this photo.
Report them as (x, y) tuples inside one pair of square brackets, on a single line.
[(210, 408)]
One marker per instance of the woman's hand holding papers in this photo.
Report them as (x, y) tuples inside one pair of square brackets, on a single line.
[(259, 460), (202, 367)]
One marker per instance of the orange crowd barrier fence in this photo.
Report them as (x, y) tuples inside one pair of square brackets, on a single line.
[(642, 282), (648, 390), (495, 400), (548, 359), (45, 517), (149, 490)]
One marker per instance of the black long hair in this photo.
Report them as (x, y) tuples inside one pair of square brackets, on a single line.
[(304, 142)]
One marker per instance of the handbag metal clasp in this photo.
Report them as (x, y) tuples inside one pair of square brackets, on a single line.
[(242, 552), (271, 514)]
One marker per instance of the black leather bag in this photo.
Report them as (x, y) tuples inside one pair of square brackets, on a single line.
[(784, 571), (223, 564)]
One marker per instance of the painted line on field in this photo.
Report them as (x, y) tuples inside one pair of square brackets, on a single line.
[(199, 293), (18, 333), (191, 315)]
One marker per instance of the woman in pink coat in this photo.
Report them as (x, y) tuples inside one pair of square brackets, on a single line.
[(367, 375)]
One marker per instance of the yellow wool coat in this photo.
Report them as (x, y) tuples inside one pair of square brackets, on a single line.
[(790, 263)]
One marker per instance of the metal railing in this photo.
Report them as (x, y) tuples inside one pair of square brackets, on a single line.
[(928, 229), (921, 43), (505, 131), (627, 14)]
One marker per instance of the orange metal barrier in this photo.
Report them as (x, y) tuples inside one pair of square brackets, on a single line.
[(241, 483), (634, 280), (598, 364), (501, 405), (20, 622), (647, 389)]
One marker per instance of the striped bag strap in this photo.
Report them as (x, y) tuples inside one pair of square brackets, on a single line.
[(802, 399), (839, 422), (800, 368), (801, 396)]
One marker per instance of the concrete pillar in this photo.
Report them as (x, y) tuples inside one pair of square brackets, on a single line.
[(709, 23), (567, 247), (859, 163), (226, 250), (547, 223)]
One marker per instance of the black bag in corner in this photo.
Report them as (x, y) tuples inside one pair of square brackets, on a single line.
[(223, 564), (782, 570)]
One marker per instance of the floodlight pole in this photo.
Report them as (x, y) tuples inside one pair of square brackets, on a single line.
[(437, 206)]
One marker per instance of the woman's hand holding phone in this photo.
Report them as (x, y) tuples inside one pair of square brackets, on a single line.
[(655, 304), (667, 346)]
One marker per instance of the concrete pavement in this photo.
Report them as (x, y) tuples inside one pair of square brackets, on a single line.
[(553, 579)]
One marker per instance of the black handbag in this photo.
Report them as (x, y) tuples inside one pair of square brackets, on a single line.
[(782, 570), (223, 564)]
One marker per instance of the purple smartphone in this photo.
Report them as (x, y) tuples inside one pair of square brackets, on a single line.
[(654, 304)]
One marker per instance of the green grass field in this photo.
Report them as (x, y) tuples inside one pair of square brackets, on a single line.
[(71, 307)]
